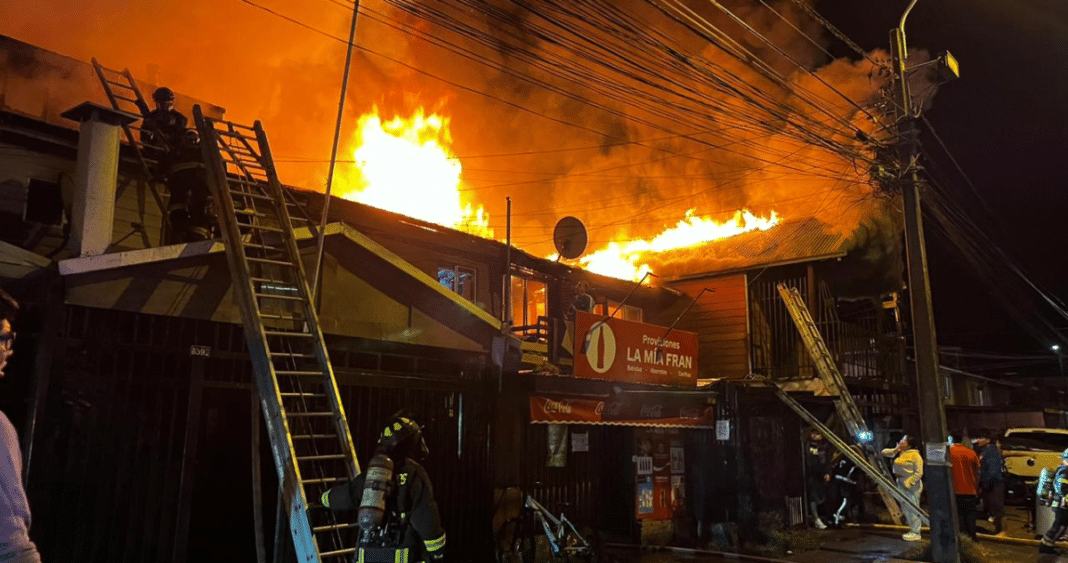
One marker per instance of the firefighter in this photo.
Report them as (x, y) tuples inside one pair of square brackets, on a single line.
[(846, 488), (398, 516), (163, 127), (1058, 500), (188, 208)]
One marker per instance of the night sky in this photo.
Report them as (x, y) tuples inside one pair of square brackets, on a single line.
[(1005, 122)]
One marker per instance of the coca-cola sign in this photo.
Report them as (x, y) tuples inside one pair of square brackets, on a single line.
[(652, 411), (623, 411), (557, 407)]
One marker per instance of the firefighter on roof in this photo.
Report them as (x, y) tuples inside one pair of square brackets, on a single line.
[(163, 127), (189, 208), (398, 517)]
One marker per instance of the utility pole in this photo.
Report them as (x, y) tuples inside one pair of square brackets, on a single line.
[(937, 475), (1060, 362)]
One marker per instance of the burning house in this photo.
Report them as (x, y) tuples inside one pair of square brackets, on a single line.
[(534, 373)]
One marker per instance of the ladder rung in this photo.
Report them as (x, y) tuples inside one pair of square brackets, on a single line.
[(262, 247), (279, 297), (327, 457), (313, 437), (292, 354), (301, 374), (281, 317), (268, 261), (289, 394), (333, 527), (273, 281), (324, 481), (131, 100), (248, 213), (120, 84), (338, 553), (286, 333), (229, 133), (254, 165), (310, 414), (252, 195), (264, 228)]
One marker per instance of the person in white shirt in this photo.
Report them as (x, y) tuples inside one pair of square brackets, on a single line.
[(908, 468)]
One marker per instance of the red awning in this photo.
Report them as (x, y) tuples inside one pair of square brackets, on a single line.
[(664, 411)]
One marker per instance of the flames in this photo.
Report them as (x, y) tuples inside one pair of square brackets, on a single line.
[(406, 165), (624, 260)]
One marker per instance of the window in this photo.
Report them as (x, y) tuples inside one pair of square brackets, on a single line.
[(460, 279), (1037, 440), (628, 313), (947, 388), (529, 301)]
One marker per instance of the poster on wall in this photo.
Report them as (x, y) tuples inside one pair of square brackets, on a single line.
[(619, 350), (660, 467)]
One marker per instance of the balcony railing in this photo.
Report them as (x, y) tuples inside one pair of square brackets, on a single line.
[(779, 353)]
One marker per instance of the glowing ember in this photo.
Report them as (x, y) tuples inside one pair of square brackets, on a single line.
[(621, 260), (406, 166)]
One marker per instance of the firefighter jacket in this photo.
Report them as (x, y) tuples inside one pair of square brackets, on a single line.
[(413, 502), (845, 473), (1060, 487), (168, 123)]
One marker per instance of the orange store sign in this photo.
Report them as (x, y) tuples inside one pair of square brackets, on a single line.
[(619, 350)]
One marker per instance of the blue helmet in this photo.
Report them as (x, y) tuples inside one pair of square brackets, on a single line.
[(1064, 455)]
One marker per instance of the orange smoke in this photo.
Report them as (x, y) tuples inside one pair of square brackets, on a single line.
[(624, 165)]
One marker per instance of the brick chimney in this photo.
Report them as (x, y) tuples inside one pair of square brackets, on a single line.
[(96, 176)]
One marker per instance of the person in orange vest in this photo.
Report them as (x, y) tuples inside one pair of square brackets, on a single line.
[(965, 482)]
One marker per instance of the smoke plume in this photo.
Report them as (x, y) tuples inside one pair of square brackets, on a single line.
[(676, 135)]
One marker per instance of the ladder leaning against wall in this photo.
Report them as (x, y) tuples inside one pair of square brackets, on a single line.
[(843, 401), (124, 94), (309, 433)]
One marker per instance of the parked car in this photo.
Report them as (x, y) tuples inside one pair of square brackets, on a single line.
[(1027, 452)]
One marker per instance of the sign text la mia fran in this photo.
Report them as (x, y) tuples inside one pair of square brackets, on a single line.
[(619, 350)]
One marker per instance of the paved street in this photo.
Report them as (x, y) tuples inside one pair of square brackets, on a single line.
[(844, 546)]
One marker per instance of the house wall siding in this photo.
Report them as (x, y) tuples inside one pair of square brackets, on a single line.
[(721, 320)]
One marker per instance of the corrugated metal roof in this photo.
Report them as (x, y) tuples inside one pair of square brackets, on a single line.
[(792, 241)]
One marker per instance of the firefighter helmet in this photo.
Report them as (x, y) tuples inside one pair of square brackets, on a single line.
[(163, 94), (403, 436)]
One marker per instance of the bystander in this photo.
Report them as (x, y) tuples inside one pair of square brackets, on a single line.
[(15, 543), (965, 481)]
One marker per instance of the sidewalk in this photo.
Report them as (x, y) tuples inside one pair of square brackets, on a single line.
[(851, 545)]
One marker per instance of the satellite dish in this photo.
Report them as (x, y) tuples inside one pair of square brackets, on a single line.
[(570, 238)]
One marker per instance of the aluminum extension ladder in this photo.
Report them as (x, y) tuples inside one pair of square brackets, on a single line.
[(843, 401), (886, 485), (119, 86), (309, 433)]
